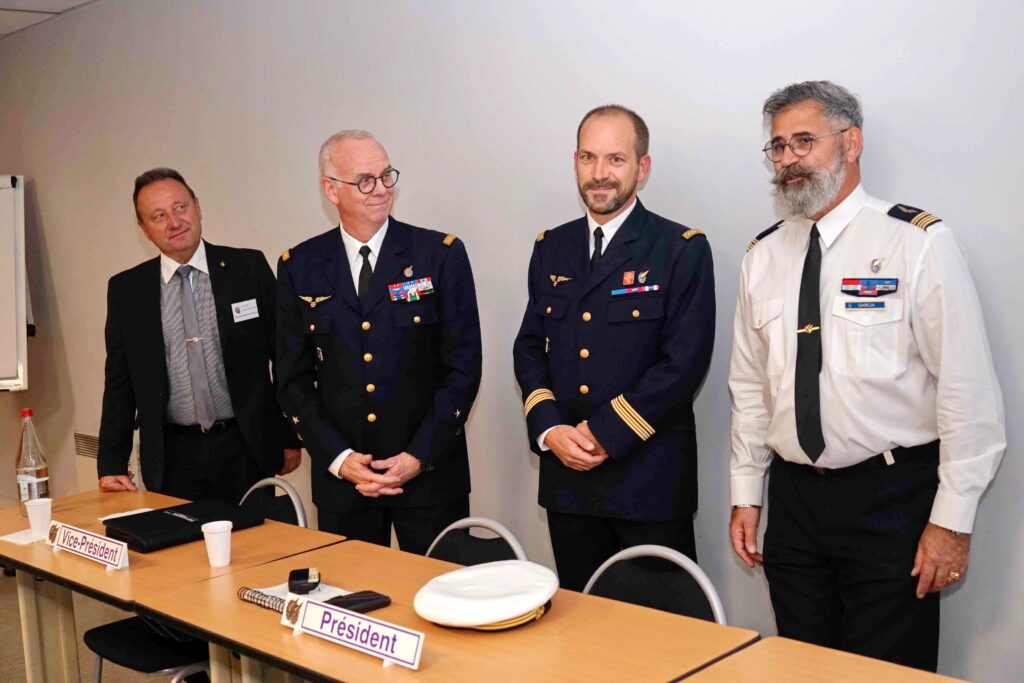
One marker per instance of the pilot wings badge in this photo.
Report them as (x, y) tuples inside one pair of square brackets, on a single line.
[(558, 279), (314, 300)]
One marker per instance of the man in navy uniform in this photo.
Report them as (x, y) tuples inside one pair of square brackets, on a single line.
[(379, 357), (614, 345)]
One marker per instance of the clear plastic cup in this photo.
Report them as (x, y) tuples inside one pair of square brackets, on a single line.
[(218, 542)]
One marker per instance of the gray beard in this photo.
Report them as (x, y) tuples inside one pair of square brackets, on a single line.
[(812, 196)]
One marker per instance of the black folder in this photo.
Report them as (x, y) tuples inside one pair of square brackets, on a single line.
[(156, 529)]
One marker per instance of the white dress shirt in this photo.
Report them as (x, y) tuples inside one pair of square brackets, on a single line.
[(355, 264), (608, 230), (168, 266), (915, 369)]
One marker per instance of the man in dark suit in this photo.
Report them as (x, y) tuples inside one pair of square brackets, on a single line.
[(614, 345), (379, 357), (190, 336)]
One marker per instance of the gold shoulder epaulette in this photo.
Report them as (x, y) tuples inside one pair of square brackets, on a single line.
[(692, 232), (540, 236), (286, 254), (918, 217), (449, 239), (764, 233)]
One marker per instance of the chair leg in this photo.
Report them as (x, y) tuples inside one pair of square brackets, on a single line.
[(188, 670), (97, 669)]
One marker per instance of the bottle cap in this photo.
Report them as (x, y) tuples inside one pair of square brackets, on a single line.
[(26, 412)]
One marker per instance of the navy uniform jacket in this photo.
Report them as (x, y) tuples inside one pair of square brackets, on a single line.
[(629, 364), (136, 391), (399, 376)]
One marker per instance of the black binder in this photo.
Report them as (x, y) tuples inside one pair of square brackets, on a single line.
[(156, 529)]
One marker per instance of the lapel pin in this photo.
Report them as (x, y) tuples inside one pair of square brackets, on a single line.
[(643, 277), (627, 277), (408, 271), (558, 279), (876, 265), (221, 264)]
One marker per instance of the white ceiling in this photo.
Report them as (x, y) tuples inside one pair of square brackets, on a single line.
[(18, 14)]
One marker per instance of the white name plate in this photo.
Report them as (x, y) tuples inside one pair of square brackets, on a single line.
[(393, 644), (106, 551)]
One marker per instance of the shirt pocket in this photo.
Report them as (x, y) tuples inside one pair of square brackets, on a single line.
[(866, 341), (414, 314), (636, 310), (767, 320)]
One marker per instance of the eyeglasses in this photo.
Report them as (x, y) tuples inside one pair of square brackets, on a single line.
[(799, 143), (368, 184)]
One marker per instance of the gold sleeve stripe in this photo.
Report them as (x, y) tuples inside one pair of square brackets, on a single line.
[(449, 239), (535, 397), (692, 232), (752, 243), (924, 219), (632, 418)]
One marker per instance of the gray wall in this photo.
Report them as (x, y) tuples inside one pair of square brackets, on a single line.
[(477, 103)]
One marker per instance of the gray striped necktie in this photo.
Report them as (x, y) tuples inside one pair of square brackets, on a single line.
[(205, 411)]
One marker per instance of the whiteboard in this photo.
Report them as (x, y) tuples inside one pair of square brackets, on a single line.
[(13, 297)]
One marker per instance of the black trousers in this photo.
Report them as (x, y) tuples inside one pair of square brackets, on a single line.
[(415, 527), (838, 551), (581, 543), (216, 464)]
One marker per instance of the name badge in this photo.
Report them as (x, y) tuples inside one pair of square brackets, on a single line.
[(857, 305), (411, 290), (245, 310), (391, 643), (113, 554)]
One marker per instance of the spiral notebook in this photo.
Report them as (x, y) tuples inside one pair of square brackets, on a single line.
[(273, 597)]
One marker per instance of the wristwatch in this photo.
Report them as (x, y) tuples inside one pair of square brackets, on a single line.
[(745, 505)]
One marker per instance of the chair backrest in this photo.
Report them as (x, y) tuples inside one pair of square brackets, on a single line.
[(456, 544), (658, 577), (287, 508)]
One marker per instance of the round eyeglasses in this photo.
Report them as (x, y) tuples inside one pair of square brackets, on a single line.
[(367, 184), (800, 144)]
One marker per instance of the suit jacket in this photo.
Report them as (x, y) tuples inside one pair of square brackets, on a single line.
[(396, 376), (628, 362), (136, 391)]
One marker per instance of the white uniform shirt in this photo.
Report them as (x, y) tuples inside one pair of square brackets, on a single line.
[(915, 369)]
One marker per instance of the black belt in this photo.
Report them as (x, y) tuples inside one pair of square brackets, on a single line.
[(218, 426), (875, 462)]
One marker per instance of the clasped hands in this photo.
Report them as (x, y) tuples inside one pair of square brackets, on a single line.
[(376, 478), (576, 446)]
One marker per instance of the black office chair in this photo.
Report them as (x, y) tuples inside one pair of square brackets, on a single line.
[(456, 544), (658, 577), (150, 647)]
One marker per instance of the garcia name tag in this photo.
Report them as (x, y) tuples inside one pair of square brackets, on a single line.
[(393, 644), (245, 310), (857, 305), (106, 551), (411, 290)]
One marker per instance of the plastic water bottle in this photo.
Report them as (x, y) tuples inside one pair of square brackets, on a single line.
[(33, 474)]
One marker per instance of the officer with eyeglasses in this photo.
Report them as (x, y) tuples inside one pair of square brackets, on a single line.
[(861, 379), (379, 357)]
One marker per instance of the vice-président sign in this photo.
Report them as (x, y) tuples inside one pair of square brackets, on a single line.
[(91, 546), (394, 644)]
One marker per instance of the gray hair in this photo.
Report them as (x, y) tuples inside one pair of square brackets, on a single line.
[(837, 103), (337, 138)]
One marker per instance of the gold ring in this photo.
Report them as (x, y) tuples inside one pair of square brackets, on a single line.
[(954, 576)]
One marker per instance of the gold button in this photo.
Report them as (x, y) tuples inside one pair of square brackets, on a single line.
[(367, 357), (365, 325), (636, 313), (586, 316), (370, 388), (415, 318), (548, 310), (371, 418), (312, 328), (584, 353), (584, 389)]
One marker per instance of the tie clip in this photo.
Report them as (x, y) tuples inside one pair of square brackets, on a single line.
[(808, 329), (194, 339)]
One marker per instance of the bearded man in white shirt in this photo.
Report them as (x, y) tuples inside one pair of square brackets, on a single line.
[(862, 378)]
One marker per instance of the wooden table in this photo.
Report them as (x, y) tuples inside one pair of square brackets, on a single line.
[(781, 659), (583, 638), (154, 572)]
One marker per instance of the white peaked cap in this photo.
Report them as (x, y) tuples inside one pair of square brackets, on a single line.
[(489, 596)]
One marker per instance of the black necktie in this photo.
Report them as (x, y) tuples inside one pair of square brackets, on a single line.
[(808, 353), (365, 274), (596, 256)]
